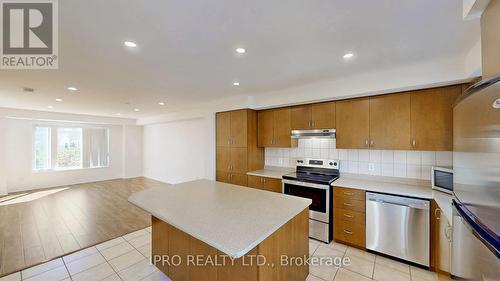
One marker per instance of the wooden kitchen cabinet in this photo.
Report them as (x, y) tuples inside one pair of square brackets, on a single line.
[(231, 128), (313, 116), (274, 128), (237, 152), (349, 213), (265, 183), (353, 123), (390, 122), (432, 118), (440, 240)]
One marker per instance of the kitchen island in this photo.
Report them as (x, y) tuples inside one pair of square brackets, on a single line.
[(207, 230)]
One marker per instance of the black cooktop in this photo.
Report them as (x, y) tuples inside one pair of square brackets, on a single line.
[(313, 175)]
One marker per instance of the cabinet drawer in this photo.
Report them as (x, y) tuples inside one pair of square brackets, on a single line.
[(348, 215), (350, 232), (349, 193), (349, 204)]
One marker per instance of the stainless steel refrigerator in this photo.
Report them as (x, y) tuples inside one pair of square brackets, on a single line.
[(476, 165)]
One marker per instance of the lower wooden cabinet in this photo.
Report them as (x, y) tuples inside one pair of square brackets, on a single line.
[(441, 232), (232, 178), (269, 184), (349, 216)]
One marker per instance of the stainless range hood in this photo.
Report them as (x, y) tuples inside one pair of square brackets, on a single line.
[(305, 134)]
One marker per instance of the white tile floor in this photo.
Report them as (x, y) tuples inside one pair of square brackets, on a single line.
[(123, 258), (127, 258)]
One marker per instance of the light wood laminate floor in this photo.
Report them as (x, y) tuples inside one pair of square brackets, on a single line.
[(54, 222)]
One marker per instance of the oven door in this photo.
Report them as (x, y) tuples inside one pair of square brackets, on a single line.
[(318, 193)]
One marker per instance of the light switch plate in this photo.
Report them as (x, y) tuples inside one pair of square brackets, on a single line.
[(371, 167)]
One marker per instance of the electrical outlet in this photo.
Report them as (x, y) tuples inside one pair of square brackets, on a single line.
[(371, 167)]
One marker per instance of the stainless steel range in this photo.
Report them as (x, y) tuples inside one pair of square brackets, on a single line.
[(313, 179)]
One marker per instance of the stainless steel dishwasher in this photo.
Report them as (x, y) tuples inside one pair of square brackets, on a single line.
[(398, 226)]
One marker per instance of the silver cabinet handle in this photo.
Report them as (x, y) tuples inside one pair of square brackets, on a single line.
[(348, 216), (313, 123), (228, 141), (347, 204), (447, 232), (414, 142), (347, 232), (366, 142), (371, 142), (348, 193), (265, 180), (437, 213)]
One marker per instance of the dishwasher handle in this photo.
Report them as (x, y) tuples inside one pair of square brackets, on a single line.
[(398, 201)]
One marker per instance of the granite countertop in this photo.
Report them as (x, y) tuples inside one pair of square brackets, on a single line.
[(272, 172), (230, 218)]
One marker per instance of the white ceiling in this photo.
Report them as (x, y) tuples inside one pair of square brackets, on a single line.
[(186, 49)]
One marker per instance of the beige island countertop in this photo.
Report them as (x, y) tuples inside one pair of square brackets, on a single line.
[(233, 219)]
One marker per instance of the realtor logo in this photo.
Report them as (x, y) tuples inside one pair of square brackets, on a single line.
[(29, 35)]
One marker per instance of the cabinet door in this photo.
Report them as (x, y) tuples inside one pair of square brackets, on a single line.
[(239, 161), (239, 128), (239, 179), (282, 128), (271, 184), (323, 115), (301, 117), (353, 123), (222, 176), (254, 182), (265, 128), (390, 122), (223, 128), (432, 118), (223, 158)]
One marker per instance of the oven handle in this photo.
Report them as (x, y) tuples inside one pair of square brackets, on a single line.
[(307, 184)]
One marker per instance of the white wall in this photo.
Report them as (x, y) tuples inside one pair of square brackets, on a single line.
[(3, 186), (180, 151), (17, 152), (132, 139)]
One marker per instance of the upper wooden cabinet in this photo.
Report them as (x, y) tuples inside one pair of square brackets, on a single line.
[(353, 123), (313, 116), (232, 128), (432, 118), (274, 128), (237, 152), (390, 122), (420, 120)]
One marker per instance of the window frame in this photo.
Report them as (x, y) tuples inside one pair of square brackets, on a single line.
[(53, 142)]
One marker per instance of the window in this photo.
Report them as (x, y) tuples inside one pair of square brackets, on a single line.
[(41, 148), (69, 148), (60, 148)]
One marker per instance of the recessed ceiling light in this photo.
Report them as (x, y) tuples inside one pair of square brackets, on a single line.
[(72, 89), (118, 113), (49, 106), (236, 83), (136, 109), (348, 55), (130, 44), (161, 103), (58, 100), (240, 50)]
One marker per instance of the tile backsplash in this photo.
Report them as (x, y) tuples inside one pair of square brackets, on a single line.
[(393, 163)]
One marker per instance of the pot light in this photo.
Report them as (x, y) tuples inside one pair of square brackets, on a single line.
[(348, 55), (161, 103), (236, 83), (72, 89), (136, 109), (130, 44), (240, 50), (50, 106), (118, 113), (59, 100)]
